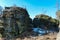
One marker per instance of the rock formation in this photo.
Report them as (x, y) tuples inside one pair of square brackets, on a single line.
[(16, 21), (46, 22)]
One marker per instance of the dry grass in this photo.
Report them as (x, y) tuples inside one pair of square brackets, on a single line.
[(50, 36)]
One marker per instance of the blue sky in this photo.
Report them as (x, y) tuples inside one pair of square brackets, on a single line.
[(34, 7)]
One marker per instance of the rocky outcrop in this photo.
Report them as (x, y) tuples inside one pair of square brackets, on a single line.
[(16, 21), (46, 22)]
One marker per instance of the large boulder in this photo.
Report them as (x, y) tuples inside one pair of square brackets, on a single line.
[(16, 20), (46, 22)]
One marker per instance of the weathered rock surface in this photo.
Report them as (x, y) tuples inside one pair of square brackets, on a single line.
[(46, 22), (16, 20)]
